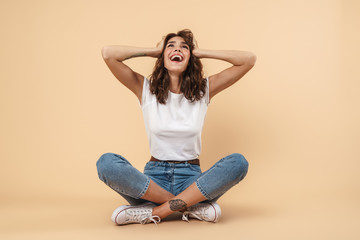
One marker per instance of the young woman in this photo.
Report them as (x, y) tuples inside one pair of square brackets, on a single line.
[(174, 101)]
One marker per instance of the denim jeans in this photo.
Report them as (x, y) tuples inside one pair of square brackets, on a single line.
[(117, 172)]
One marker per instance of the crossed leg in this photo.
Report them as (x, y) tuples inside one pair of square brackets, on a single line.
[(187, 198), (121, 176)]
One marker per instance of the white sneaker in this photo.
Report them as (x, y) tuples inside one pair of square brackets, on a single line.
[(134, 214), (209, 212)]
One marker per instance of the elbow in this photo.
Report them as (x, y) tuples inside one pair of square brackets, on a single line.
[(251, 59), (105, 52)]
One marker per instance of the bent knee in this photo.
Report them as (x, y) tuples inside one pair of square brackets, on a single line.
[(239, 165), (104, 159), (240, 161), (107, 161)]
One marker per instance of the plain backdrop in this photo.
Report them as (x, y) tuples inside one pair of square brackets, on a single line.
[(295, 116)]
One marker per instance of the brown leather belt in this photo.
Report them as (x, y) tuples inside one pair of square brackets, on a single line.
[(194, 161)]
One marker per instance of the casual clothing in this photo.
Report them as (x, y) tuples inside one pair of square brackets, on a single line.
[(174, 129), (117, 172), (174, 132)]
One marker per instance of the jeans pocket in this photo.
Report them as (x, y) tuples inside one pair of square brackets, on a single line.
[(150, 165), (194, 167)]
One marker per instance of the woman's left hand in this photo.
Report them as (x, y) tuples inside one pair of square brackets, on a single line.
[(195, 51)]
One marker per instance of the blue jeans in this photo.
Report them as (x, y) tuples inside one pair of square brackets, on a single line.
[(117, 172)]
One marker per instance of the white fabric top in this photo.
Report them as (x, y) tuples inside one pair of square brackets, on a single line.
[(174, 129)]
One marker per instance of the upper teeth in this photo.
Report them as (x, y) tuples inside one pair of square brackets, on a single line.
[(173, 57)]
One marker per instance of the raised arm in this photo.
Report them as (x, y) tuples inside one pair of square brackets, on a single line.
[(114, 56), (242, 62)]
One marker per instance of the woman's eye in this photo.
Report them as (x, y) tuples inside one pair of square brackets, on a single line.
[(185, 47), (170, 45)]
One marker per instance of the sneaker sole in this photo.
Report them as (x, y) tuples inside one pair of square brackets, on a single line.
[(117, 211), (120, 209), (217, 210)]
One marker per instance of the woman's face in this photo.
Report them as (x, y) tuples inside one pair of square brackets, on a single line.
[(176, 55)]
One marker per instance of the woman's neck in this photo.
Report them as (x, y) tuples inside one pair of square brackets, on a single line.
[(175, 83)]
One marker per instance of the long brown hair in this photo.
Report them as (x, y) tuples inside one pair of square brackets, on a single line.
[(193, 84)]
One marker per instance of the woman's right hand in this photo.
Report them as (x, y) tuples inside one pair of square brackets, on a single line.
[(159, 47)]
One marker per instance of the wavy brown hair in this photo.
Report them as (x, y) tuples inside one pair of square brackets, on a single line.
[(193, 84)]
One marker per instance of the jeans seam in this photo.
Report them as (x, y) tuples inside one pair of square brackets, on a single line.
[(203, 192), (145, 188), (172, 178)]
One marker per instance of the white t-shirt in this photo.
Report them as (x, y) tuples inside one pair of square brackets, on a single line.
[(174, 129)]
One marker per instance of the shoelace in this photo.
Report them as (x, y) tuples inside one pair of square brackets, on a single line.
[(150, 219), (195, 212), (185, 217)]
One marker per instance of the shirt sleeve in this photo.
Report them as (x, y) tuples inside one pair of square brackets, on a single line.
[(144, 92), (207, 95)]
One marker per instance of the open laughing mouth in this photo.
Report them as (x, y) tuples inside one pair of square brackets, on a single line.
[(176, 58)]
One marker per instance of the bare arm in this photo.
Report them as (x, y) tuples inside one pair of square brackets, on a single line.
[(121, 53), (242, 62), (114, 56)]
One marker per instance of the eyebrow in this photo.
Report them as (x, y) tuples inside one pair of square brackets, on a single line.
[(175, 42)]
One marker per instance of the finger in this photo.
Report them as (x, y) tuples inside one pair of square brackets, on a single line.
[(195, 42), (162, 40)]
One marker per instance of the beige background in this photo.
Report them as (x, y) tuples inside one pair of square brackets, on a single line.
[(295, 116)]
